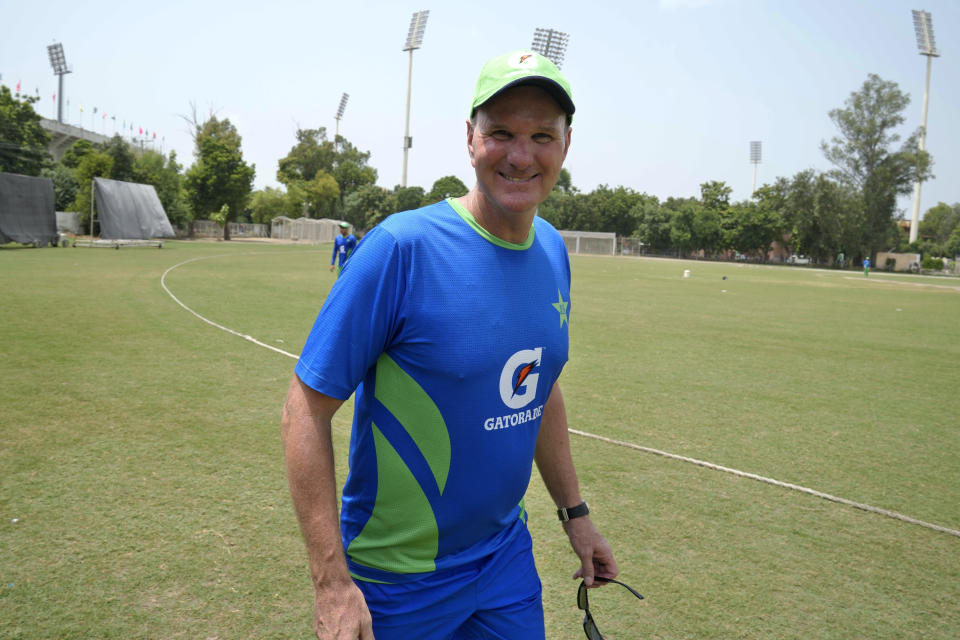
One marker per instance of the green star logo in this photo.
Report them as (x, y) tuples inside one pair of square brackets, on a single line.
[(561, 308)]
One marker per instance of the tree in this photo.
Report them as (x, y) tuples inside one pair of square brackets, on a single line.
[(864, 157), (953, 244), (610, 210), (64, 185), (322, 195), (123, 158), (707, 229), (710, 223), (407, 198), (219, 176), (685, 211), (267, 204), (367, 206), (75, 153), (753, 228), (95, 164), (23, 142), (445, 187), (939, 222), (653, 224), (313, 154), (560, 209), (715, 195), (564, 183)]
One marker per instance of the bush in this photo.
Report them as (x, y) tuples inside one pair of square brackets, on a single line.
[(932, 264)]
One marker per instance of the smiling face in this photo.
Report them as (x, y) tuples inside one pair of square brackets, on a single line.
[(517, 143)]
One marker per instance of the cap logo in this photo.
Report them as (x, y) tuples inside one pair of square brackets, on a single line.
[(524, 60)]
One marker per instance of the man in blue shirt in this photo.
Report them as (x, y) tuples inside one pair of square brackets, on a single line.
[(343, 246), (450, 324)]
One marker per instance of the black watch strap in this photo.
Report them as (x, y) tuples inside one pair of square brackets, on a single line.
[(569, 513)]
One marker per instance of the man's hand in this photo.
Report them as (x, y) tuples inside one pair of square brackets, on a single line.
[(596, 557), (331, 267), (340, 613)]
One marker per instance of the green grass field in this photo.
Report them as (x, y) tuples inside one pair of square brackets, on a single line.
[(143, 491)]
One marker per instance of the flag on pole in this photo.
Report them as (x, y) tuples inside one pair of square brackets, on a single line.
[(104, 116), (141, 130), (81, 108), (154, 135), (94, 109), (54, 97)]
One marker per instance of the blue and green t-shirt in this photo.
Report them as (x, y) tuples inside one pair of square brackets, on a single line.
[(343, 246), (452, 339)]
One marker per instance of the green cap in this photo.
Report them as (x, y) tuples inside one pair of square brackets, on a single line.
[(344, 225), (522, 68)]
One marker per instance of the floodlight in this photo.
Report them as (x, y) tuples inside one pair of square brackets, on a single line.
[(927, 44), (59, 63), (551, 44), (923, 25), (57, 59), (755, 154), (340, 109), (418, 24)]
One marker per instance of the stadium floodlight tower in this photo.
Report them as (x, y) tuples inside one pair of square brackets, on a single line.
[(755, 160), (418, 24), (340, 110), (59, 64), (923, 24), (551, 44)]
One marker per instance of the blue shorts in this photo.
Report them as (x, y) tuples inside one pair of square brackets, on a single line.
[(495, 598)]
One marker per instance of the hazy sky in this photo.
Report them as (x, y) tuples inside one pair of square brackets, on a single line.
[(669, 93)]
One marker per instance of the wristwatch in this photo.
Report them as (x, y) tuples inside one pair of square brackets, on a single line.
[(569, 513)]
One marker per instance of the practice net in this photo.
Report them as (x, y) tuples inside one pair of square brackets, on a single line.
[(304, 229)]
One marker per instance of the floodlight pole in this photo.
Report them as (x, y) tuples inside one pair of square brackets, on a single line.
[(923, 24), (755, 159), (407, 142), (418, 23)]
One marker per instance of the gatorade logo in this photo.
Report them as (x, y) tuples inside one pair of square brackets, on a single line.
[(525, 60), (518, 379)]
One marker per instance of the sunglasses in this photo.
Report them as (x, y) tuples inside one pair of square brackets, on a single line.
[(589, 626)]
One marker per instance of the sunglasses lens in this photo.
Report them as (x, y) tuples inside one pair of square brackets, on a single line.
[(590, 628), (582, 597)]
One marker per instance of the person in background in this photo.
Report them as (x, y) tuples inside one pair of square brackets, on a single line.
[(343, 246)]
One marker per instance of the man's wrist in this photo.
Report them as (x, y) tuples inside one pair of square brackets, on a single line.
[(568, 513)]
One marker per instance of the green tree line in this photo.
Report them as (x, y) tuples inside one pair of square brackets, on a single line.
[(850, 209)]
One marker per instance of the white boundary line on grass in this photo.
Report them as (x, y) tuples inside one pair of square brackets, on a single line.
[(163, 284), (776, 483), (629, 445)]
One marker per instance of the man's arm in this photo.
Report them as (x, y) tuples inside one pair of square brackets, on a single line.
[(340, 612), (333, 259), (556, 467)]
